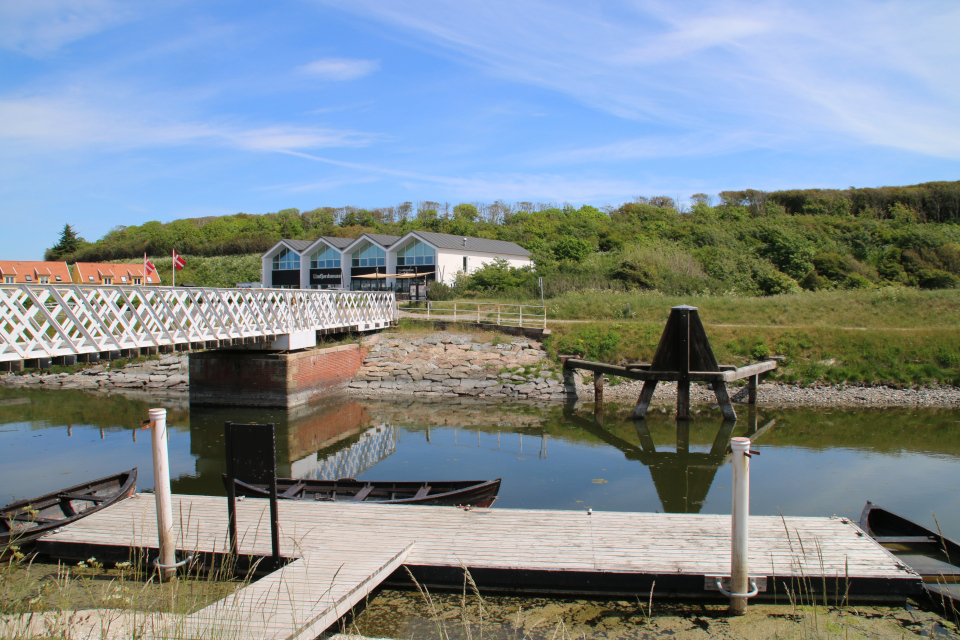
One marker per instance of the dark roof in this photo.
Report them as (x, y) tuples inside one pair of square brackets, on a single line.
[(481, 245), (297, 245), (381, 239), (339, 243)]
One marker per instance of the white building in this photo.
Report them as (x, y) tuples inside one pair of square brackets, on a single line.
[(376, 262)]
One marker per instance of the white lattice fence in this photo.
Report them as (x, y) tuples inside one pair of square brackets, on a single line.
[(58, 320)]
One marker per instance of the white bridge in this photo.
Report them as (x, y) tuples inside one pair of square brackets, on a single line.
[(63, 322)]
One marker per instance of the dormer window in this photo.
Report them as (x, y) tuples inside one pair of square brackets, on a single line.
[(325, 258), (8, 279), (44, 279), (286, 260), (369, 256), (417, 253), (107, 280), (136, 280)]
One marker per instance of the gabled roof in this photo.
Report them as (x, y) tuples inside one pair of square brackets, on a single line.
[(295, 245), (22, 268), (464, 243), (339, 244), (298, 245), (377, 238), (82, 272)]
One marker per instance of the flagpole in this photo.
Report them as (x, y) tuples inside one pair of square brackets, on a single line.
[(173, 265)]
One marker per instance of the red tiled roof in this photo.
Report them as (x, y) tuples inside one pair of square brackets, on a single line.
[(94, 272), (22, 269)]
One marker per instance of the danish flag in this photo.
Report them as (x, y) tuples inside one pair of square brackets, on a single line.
[(178, 261), (148, 267)]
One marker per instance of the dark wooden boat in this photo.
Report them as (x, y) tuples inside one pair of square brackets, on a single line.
[(934, 556), (26, 520), (476, 493)]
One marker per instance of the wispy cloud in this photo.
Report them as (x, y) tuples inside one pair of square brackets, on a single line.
[(340, 68), (39, 27), (877, 74), (67, 123)]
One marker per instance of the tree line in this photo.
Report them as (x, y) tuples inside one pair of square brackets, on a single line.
[(744, 242)]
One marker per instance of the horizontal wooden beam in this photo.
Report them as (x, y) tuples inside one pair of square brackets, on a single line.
[(667, 376)]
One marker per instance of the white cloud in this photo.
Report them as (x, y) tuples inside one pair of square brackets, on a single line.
[(39, 27), (340, 68), (879, 74)]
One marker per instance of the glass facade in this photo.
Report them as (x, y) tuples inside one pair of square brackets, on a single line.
[(417, 253), (286, 259), (325, 258), (369, 256)]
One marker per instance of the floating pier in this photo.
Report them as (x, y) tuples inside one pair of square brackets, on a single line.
[(340, 552)]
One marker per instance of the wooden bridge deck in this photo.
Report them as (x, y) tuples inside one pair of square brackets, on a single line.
[(343, 551)]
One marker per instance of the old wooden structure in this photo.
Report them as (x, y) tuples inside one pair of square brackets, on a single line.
[(683, 355)]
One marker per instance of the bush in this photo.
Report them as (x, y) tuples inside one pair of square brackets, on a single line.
[(438, 291), (937, 279), (591, 342)]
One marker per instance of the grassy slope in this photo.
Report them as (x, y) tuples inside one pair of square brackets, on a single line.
[(885, 336)]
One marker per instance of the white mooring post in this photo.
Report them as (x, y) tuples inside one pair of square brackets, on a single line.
[(739, 576), (161, 490)]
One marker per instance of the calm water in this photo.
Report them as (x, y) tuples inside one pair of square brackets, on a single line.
[(811, 462)]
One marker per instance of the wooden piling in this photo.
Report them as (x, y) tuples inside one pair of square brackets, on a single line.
[(161, 491)]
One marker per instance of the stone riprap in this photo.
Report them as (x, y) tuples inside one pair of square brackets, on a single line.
[(169, 373), (451, 365)]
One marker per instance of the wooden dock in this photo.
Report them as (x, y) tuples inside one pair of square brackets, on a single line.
[(343, 551)]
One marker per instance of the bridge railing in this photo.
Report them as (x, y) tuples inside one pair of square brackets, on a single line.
[(507, 315), (40, 321)]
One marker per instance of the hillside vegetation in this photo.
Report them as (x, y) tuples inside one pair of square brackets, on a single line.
[(747, 243)]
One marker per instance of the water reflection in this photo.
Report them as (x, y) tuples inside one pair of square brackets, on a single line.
[(814, 462)]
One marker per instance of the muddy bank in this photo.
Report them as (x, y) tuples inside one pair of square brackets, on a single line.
[(401, 614)]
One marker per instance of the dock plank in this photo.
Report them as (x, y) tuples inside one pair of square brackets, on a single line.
[(342, 551)]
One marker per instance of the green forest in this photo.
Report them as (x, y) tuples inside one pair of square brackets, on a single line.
[(744, 243)]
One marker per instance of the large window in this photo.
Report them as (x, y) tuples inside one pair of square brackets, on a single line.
[(286, 259), (328, 258), (369, 256), (416, 254)]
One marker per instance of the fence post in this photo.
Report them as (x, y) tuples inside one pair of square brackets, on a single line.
[(521, 316), (498, 315), (478, 313), (428, 309), (454, 311)]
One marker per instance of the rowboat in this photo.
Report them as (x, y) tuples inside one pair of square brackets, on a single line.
[(26, 520), (476, 493), (931, 554)]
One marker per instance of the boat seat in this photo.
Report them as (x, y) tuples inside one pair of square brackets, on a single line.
[(424, 490), (81, 496), (363, 493), (292, 491), (904, 539), (26, 517)]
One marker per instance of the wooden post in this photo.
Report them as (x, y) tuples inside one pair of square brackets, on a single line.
[(597, 387), (521, 316), (723, 399), (683, 400), (161, 491), (683, 384), (739, 571), (643, 402), (498, 315), (752, 383)]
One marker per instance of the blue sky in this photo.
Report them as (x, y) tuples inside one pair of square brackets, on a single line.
[(121, 112)]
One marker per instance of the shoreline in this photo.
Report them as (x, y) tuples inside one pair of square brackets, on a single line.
[(442, 364)]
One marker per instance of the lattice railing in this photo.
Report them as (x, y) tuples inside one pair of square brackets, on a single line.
[(39, 321)]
